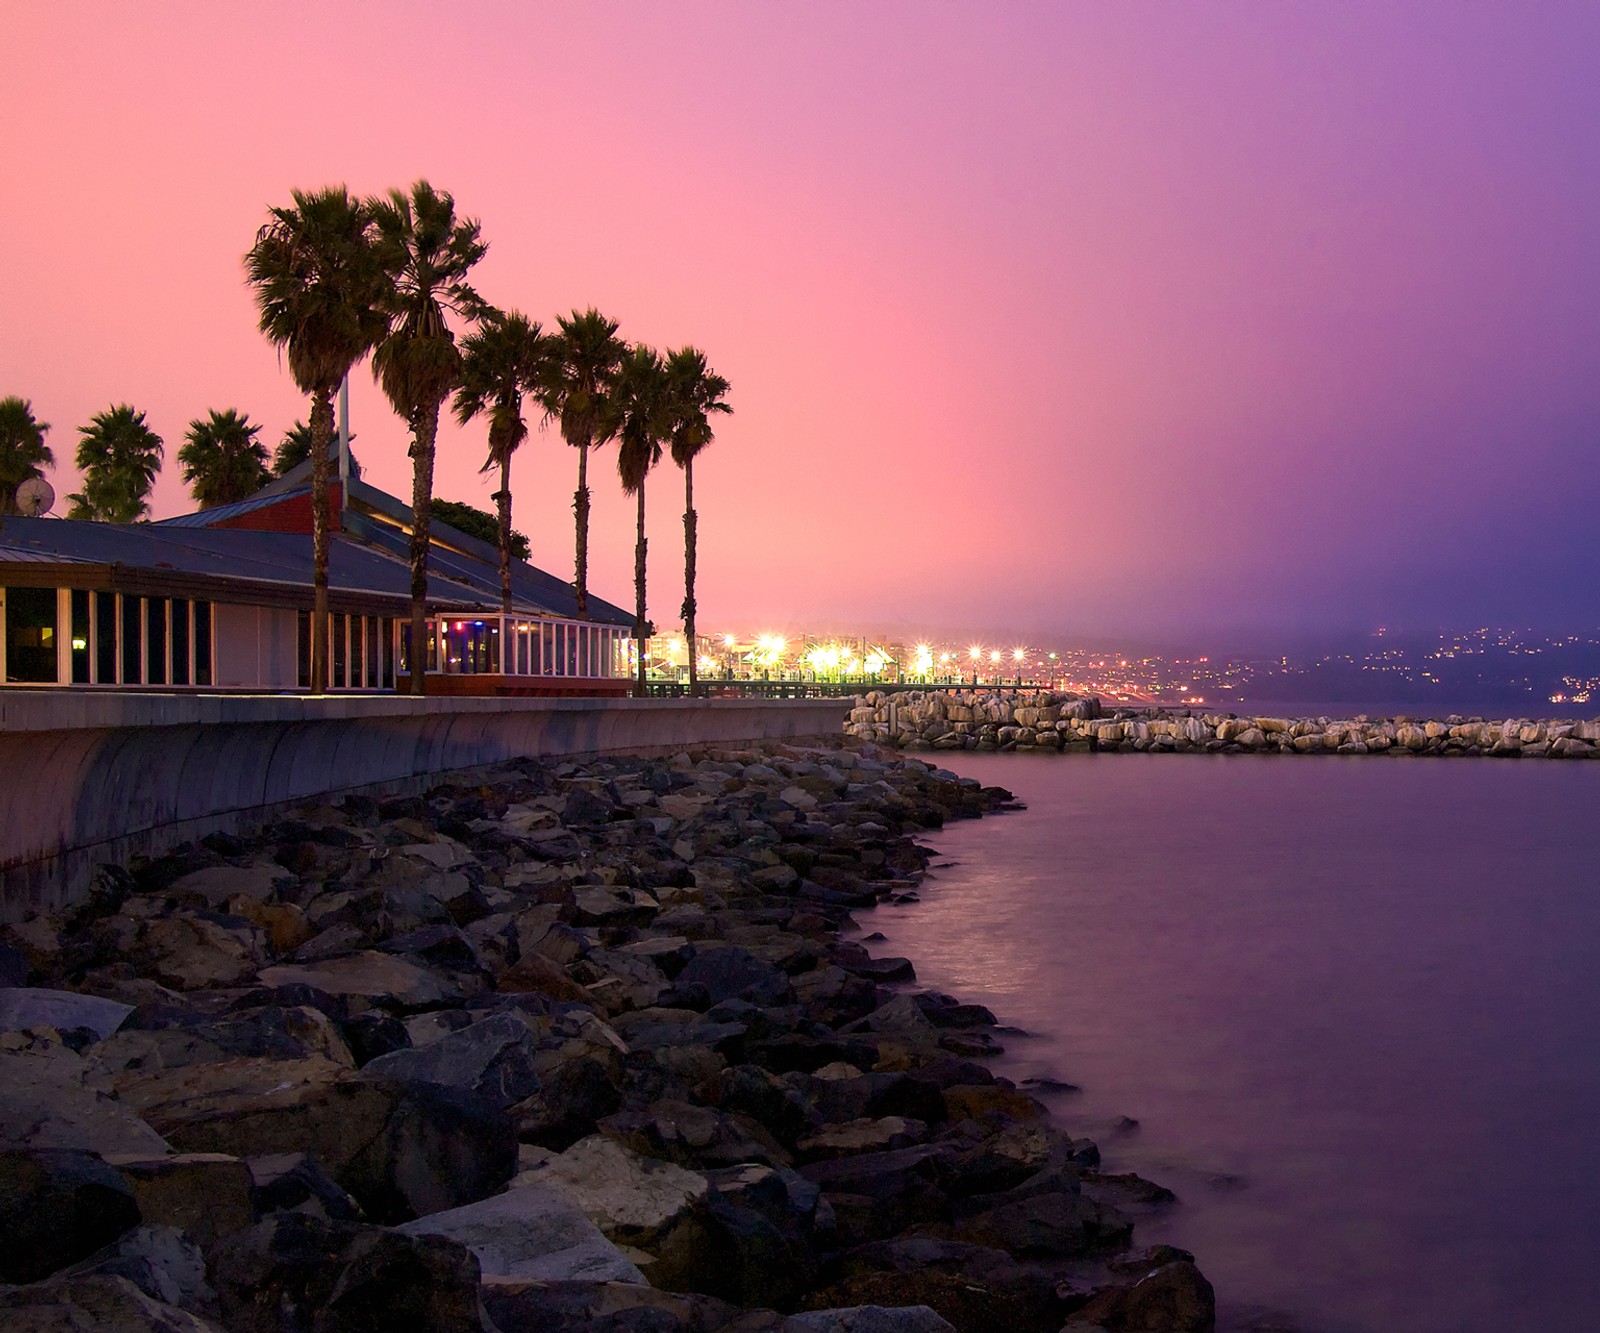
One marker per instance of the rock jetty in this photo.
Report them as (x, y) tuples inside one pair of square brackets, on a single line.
[(1078, 724), (556, 1047)]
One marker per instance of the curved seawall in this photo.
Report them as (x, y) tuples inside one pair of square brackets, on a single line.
[(92, 778)]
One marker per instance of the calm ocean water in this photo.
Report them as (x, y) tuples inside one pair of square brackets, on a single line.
[(1354, 1005)]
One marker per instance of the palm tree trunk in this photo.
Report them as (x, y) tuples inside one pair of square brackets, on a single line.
[(503, 505), (638, 591), (690, 523), (580, 508), (321, 433), (424, 428)]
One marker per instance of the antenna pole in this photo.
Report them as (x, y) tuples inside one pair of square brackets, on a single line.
[(344, 445)]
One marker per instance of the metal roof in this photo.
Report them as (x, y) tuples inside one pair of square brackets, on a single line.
[(370, 557)]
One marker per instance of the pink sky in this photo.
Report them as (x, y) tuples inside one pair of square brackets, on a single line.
[(1071, 319)]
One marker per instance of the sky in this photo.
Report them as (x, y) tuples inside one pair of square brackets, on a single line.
[(1068, 320)]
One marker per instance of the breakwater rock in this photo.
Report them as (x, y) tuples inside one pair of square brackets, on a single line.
[(1071, 723), (559, 1047)]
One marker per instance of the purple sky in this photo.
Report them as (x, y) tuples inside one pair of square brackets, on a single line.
[(1068, 319)]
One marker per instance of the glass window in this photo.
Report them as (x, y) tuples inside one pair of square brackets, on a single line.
[(202, 643), (105, 637), (180, 641), (387, 639), (374, 651), (302, 649), (80, 637), (31, 635), (132, 640), (358, 643), (155, 641), (338, 632)]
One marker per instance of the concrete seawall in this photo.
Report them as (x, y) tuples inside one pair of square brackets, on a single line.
[(92, 778)]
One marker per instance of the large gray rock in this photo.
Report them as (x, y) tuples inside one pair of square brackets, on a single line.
[(34, 1007), (492, 1059), (631, 1198), (533, 1231), (161, 1261), (44, 1103), (217, 884)]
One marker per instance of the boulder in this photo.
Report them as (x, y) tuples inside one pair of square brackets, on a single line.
[(492, 1060), (295, 1272), (57, 1207), (532, 1231), (399, 1149), (1175, 1298), (23, 1007), (634, 1200), (45, 1103), (105, 1304), (161, 1261), (204, 1195), (379, 977)]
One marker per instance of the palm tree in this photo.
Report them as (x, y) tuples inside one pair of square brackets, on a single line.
[(23, 452), (222, 460), (318, 285), (589, 354), (426, 253), (295, 447), (641, 412), (695, 394), (504, 358), (119, 456)]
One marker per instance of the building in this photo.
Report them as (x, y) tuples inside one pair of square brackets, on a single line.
[(222, 600)]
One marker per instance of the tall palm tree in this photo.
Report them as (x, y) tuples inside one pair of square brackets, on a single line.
[(222, 460), (640, 409), (119, 456), (23, 452), (582, 374), (427, 253), (505, 357), (318, 285), (696, 395)]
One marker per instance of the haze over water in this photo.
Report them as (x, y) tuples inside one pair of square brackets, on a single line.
[(1352, 1004)]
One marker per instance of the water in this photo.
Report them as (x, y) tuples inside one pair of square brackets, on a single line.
[(1353, 1004)]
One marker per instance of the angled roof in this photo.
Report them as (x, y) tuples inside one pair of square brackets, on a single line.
[(369, 568)]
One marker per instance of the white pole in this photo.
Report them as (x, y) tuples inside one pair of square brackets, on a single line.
[(344, 444)]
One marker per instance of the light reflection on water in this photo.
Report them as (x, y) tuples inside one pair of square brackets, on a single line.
[(1352, 1003)]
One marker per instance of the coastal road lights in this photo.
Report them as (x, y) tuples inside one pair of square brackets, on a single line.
[(976, 654), (1017, 654)]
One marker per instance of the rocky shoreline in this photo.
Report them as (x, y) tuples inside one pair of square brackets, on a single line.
[(1079, 724), (558, 1046)]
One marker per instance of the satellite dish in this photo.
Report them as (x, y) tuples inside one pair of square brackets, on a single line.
[(34, 497)]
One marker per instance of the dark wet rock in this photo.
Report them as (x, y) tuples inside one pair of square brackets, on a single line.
[(1047, 1226), (372, 1034), (1175, 1298), (726, 972), (613, 1307), (203, 1195), (57, 1207), (104, 1303), (296, 1182), (296, 1272), (575, 1095), (491, 1060), (877, 1195), (695, 1136)]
